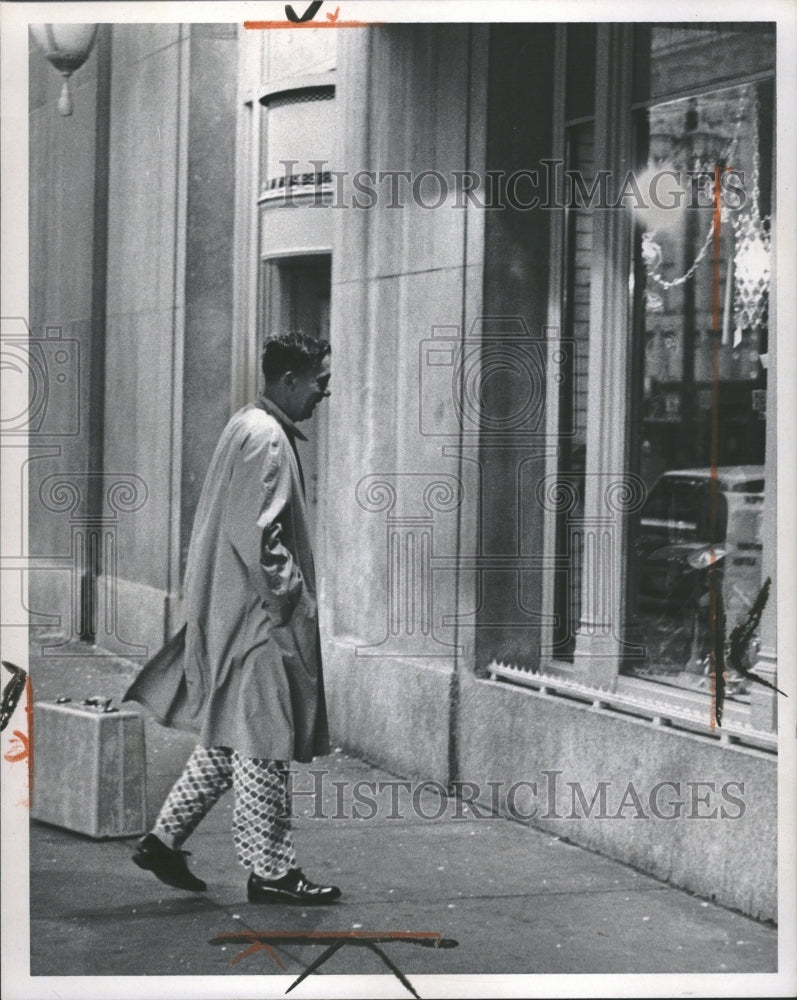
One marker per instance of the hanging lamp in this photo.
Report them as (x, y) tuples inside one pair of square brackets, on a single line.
[(67, 47)]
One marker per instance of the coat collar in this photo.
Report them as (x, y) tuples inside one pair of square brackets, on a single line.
[(266, 404)]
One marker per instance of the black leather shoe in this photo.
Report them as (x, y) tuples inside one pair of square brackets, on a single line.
[(291, 888), (167, 864)]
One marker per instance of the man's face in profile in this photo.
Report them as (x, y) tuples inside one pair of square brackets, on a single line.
[(308, 390)]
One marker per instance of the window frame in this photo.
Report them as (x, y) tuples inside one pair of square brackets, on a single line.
[(596, 666)]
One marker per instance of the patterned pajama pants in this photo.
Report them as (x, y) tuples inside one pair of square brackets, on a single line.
[(261, 820)]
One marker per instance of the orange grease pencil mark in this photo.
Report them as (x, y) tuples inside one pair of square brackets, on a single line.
[(262, 946), (261, 940), (307, 20), (332, 22), (29, 713), (717, 679), (21, 747), (715, 284), (432, 938)]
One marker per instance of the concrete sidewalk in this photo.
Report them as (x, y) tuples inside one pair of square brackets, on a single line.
[(515, 899)]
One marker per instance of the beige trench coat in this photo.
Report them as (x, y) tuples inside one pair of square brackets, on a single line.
[(245, 671)]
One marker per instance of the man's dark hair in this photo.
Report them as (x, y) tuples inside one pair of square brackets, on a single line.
[(292, 352)]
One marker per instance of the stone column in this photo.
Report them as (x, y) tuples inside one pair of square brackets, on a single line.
[(598, 641)]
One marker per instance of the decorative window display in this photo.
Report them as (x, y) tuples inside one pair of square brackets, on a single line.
[(701, 291)]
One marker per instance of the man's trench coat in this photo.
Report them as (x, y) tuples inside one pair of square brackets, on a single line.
[(245, 670)]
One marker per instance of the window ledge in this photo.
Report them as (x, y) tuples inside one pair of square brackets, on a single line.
[(643, 699)]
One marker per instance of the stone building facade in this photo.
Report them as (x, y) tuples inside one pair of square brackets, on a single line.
[(519, 357)]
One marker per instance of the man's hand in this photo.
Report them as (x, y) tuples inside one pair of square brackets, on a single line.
[(283, 576)]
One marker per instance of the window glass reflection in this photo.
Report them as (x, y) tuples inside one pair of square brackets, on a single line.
[(701, 294)]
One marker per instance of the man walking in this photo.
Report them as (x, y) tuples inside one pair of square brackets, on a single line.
[(245, 672)]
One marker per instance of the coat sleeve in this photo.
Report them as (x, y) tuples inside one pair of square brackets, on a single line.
[(259, 512)]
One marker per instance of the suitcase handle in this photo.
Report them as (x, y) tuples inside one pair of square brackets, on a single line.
[(104, 704)]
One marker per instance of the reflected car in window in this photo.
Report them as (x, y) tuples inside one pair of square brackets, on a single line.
[(682, 531)]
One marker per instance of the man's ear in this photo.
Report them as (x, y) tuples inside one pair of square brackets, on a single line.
[(288, 379)]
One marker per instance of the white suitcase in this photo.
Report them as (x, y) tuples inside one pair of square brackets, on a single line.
[(89, 769)]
